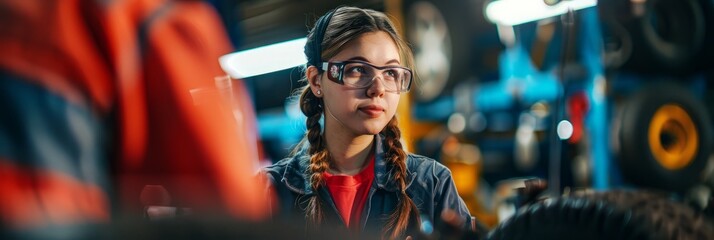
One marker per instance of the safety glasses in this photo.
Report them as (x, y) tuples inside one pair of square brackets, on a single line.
[(360, 74)]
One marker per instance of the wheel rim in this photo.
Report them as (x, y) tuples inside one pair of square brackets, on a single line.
[(432, 48), (673, 137)]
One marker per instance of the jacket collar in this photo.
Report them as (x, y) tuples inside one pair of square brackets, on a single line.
[(297, 176)]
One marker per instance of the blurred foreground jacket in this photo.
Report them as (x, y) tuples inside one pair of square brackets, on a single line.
[(96, 102)]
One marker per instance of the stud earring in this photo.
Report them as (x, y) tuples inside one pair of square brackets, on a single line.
[(318, 92)]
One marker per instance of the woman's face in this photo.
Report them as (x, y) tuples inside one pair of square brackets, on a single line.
[(363, 111)]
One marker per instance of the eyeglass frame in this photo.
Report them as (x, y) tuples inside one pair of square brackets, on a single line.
[(338, 68)]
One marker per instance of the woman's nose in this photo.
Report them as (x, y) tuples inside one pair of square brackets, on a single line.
[(377, 88)]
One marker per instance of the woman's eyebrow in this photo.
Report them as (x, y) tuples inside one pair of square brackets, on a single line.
[(393, 61), (364, 59), (360, 58)]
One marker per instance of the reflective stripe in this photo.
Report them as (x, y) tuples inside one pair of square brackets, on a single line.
[(44, 131)]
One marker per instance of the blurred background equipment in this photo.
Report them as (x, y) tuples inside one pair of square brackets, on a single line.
[(440, 33)]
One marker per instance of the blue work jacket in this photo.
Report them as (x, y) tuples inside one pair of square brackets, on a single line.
[(429, 184)]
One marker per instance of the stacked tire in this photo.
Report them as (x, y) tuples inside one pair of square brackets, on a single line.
[(665, 138), (662, 36)]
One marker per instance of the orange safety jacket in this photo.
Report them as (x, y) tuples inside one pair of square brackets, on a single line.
[(99, 98)]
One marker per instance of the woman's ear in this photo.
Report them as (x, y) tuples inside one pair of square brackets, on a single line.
[(313, 78)]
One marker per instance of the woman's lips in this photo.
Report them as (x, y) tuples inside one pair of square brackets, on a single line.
[(372, 111)]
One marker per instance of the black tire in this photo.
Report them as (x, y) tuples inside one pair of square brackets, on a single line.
[(618, 44), (655, 160), (606, 215), (667, 38), (447, 60), (703, 60)]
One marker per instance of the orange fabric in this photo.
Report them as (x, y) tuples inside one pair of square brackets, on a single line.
[(183, 47), (120, 21), (49, 42), (90, 53), (32, 196)]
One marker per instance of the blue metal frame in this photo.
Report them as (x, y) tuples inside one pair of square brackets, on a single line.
[(596, 121), (522, 83)]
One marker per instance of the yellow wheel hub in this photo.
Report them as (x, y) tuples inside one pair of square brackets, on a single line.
[(673, 137)]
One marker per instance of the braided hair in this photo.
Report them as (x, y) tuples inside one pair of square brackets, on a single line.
[(325, 40), (395, 156)]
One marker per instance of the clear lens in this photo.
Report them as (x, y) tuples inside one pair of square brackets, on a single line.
[(357, 74)]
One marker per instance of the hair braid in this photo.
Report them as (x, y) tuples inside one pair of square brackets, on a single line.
[(346, 24), (395, 155), (311, 106)]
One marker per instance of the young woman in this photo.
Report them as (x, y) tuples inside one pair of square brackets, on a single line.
[(355, 171)]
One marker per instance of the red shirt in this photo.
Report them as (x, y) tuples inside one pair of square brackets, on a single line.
[(350, 193)]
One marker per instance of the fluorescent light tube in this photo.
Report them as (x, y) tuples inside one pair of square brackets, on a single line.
[(515, 12), (265, 59)]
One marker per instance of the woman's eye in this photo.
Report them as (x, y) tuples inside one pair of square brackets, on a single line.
[(391, 73), (354, 70)]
